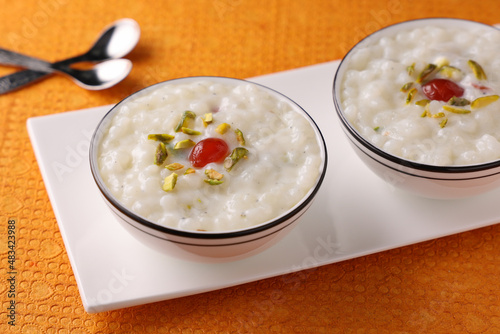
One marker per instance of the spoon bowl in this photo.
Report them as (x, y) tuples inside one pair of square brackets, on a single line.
[(102, 75), (115, 41)]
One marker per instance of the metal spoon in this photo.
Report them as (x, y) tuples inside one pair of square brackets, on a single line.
[(115, 41)]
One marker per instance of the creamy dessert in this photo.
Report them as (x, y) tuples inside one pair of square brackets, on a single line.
[(209, 155), (428, 94)]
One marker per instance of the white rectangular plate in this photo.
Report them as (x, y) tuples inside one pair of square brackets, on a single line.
[(355, 212)]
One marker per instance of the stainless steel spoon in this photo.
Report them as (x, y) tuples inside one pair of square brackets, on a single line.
[(115, 41)]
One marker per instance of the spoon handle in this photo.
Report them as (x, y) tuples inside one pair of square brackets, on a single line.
[(18, 79), (8, 57), (37, 69)]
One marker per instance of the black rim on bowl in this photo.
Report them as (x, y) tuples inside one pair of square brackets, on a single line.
[(203, 235), (389, 157)]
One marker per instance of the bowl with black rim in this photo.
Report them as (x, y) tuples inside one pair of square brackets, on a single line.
[(201, 245), (419, 178)]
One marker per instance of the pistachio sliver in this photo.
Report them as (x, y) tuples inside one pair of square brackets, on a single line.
[(406, 87), (213, 182), (458, 101), (240, 137), (222, 128), (422, 103), (483, 101), (477, 70), (183, 121), (438, 115), (190, 171), (207, 119), (411, 95), (443, 123), (410, 69), (237, 154), (213, 174), (426, 72), (163, 137), (169, 182), (450, 72), (189, 131), (160, 154), (186, 143), (427, 112), (441, 62), (456, 110), (174, 166)]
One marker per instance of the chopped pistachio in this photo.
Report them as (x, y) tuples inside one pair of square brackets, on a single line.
[(427, 112), (410, 69), (207, 119), (376, 128), (186, 143), (438, 115), (174, 166), (189, 131), (442, 124), (163, 137), (422, 103), (169, 182), (450, 72), (458, 101), (160, 154), (483, 101), (222, 128), (411, 95), (239, 137), (477, 69), (406, 87), (456, 110), (213, 174), (190, 171), (183, 121), (213, 182), (236, 155), (441, 61), (426, 72)]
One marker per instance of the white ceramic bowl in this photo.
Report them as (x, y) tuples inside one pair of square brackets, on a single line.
[(206, 246), (442, 182)]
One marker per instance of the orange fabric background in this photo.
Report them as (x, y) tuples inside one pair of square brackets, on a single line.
[(448, 285)]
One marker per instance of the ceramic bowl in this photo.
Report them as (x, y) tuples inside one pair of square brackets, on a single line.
[(441, 182), (200, 245)]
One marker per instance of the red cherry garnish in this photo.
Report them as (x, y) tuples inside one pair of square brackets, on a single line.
[(208, 150), (442, 90)]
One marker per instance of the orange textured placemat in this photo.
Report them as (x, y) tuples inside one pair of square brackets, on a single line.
[(449, 285)]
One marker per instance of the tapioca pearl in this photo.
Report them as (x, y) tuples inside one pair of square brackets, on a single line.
[(488, 145), (142, 208), (393, 146), (169, 202), (360, 58), (143, 153), (351, 113), (467, 124), (467, 158), (402, 37), (150, 185), (443, 156)]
